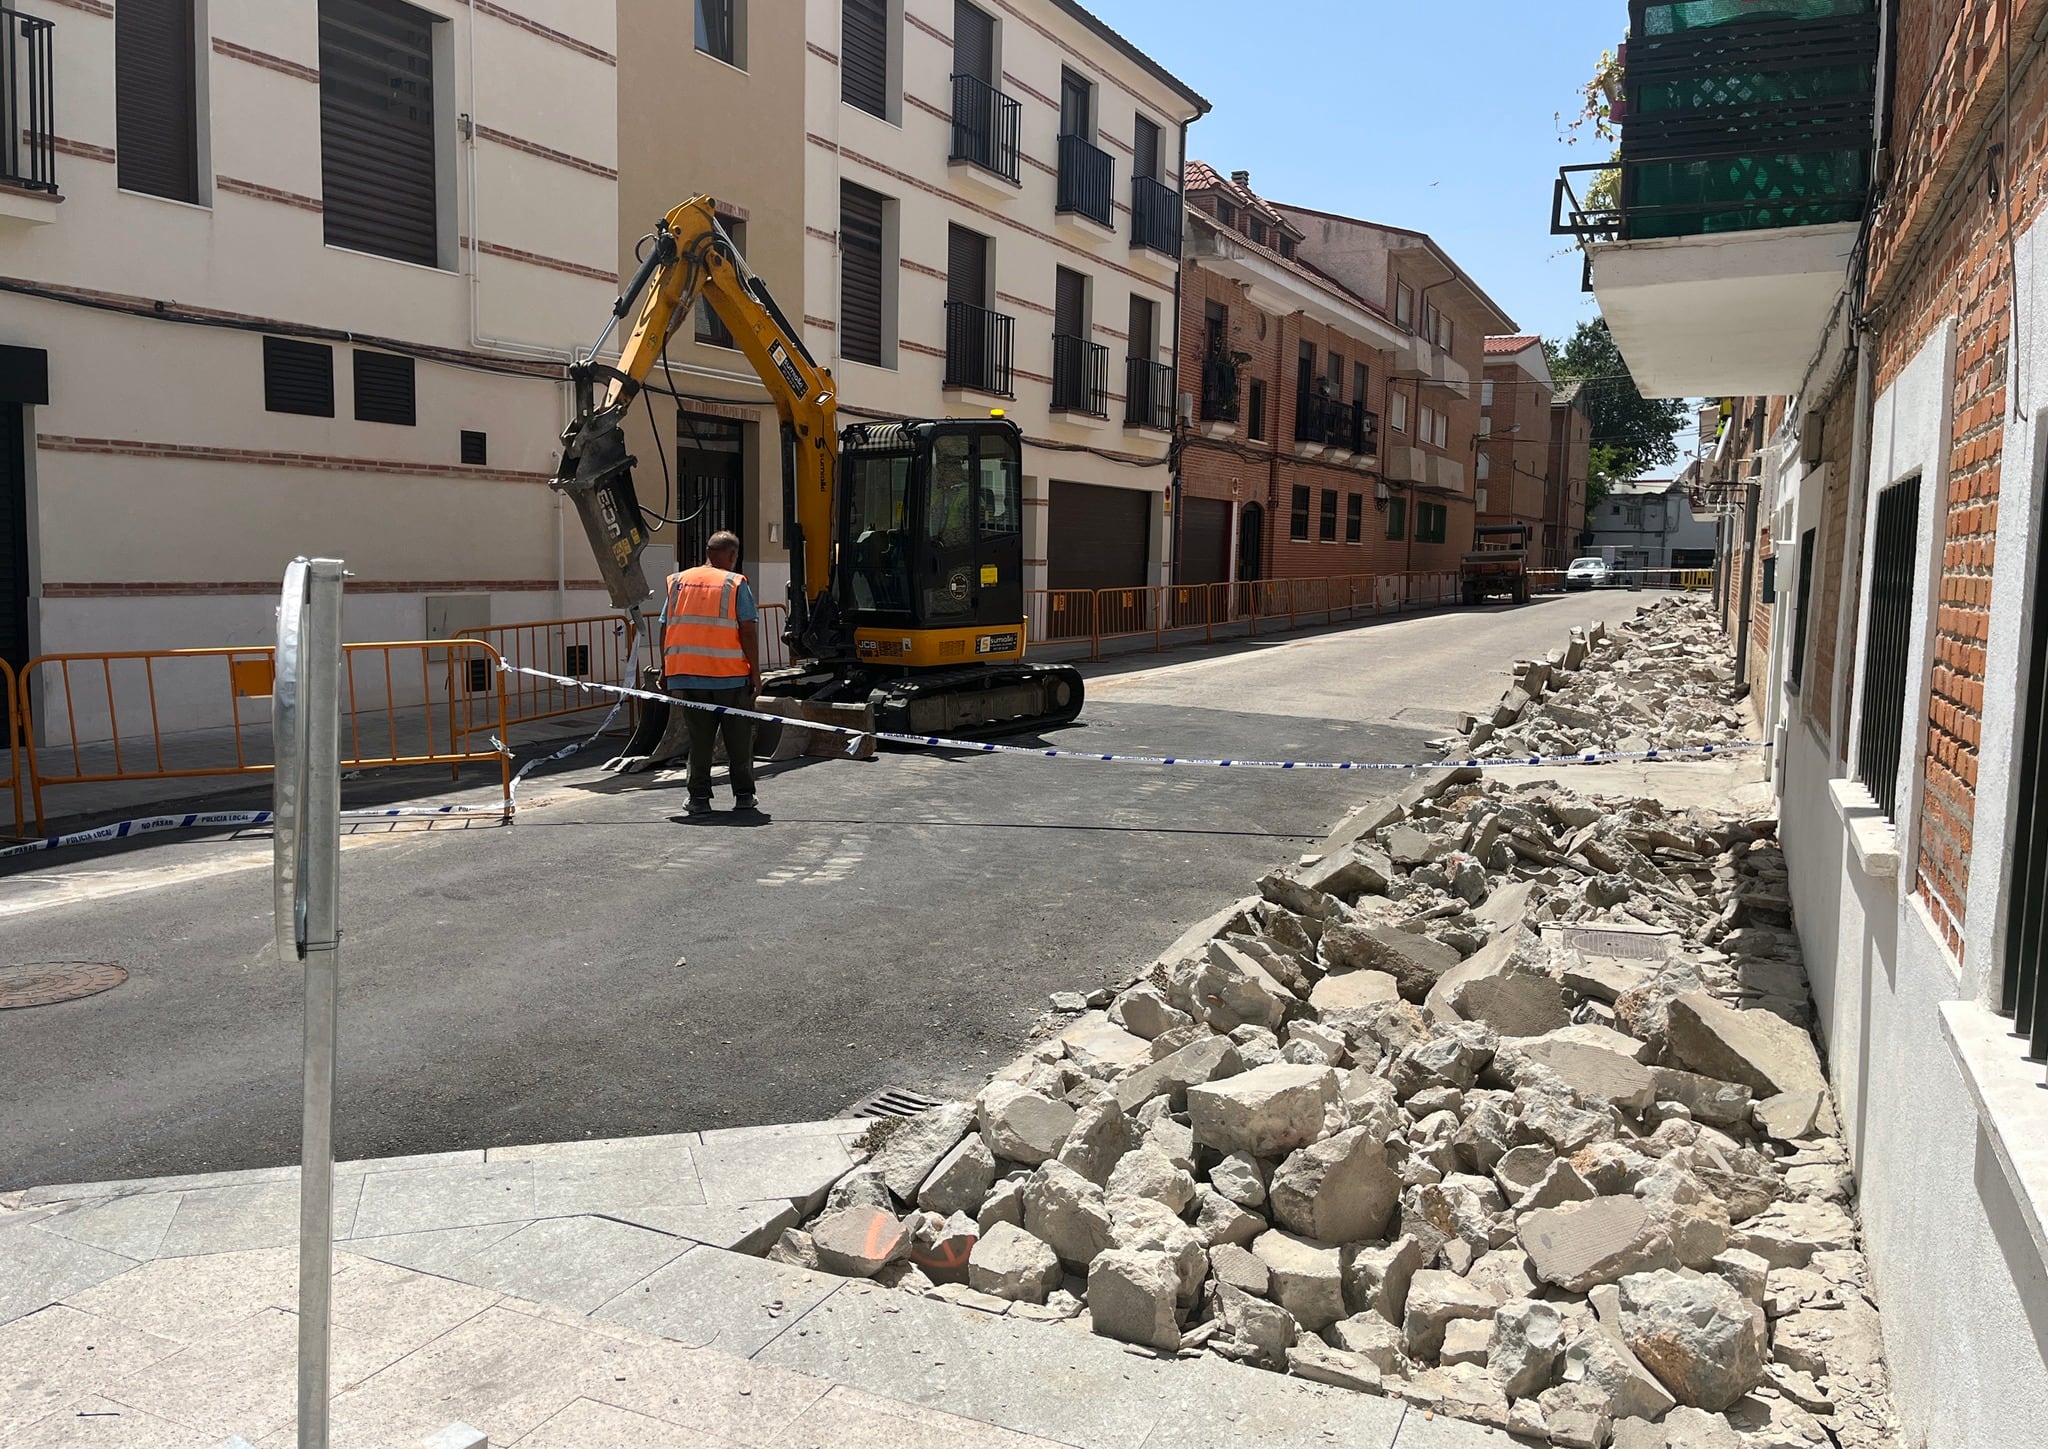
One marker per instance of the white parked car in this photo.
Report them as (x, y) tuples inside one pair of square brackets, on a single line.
[(1586, 573)]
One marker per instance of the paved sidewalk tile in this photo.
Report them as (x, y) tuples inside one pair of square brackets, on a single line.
[(1440, 1431), (95, 1421), (750, 1228), (755, 1164), (134, 1226), (189, 1300), (579, 1262), (241, 1381), (254, 1215), (585, 1147), (587, 1424), (59, 1355), (659, 1172), (43, 1268), (423, 1199), (726, 1301), (77, 1191), (1207, 1403), (731, 1398), (435, 1252), (850, 1419), (382, 1313)]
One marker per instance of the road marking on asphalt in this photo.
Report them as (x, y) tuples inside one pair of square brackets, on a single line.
[(47, 890), (820, 860)]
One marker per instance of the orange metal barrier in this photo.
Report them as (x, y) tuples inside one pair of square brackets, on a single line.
[(10, 700), (594, 647), (1094, 616), (105, 713)]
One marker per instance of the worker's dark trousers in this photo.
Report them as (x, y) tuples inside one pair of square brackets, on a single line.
[(706, 729)]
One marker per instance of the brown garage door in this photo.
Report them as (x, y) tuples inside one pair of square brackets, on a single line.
[(1204, 541), (1098, 538)]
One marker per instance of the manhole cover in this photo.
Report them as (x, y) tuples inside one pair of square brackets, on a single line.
[(43, 983)]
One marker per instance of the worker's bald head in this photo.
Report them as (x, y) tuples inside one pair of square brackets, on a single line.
[(723, 549)]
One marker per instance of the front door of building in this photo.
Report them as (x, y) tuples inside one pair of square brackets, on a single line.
[(1251, 542), (14, 644), (711, 476)]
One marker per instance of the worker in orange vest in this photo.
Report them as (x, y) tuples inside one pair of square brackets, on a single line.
[(711, 654)]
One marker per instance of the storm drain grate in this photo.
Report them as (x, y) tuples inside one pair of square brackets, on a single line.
[(45, 983), (1622, 943), (893, 1102)]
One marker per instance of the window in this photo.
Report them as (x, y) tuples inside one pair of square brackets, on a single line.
[(298, 377), (380, 181), (1888, 643), (1431, 520), (721, 30), (1327, 530), (710, 330), (156, 99), (1297, 524), (1354, 517), (1287, 247), (1486, 394), (1255, 425), (1258, 231), (2023, 985), (1226, 213), (1443, 330), (1397, 518), (1796, 669), (864, 55), (1333, 369), (1360, 376), (1305, 376), (1428, 420), (1485, 426), (1442, 436), (1145, 148), (865, 328), (1483, 466), (1404, 305), (384, 389), (1077, 105), (476, 449), (1397, 411)]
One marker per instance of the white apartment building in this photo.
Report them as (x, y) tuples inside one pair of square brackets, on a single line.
[(992, 215), (295, 278)]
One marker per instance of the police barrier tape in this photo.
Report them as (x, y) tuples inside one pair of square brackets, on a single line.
[(223, 820)]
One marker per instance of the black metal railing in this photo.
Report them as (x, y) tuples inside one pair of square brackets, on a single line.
[(985, 127), (28, 151), (1220, 391), (1080, 376), (1087, 179), (2023, 988), (1155, 216), (1879, 742), (1365, 434), (1327, 421), (1148, 394), (980, 346)]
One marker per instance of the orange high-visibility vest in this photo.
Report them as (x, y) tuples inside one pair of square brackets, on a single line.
[(701, 625)]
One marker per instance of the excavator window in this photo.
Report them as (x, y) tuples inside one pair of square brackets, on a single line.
[(878, 516)]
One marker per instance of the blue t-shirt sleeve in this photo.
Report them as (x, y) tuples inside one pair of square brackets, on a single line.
[(748, 613)]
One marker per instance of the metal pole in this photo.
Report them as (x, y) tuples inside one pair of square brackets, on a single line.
[(309, 859)]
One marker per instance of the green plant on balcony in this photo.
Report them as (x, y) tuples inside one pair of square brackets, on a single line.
[(1599, 117), (1220, 387)]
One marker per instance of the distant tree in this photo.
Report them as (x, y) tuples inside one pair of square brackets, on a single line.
[(1631, 433)]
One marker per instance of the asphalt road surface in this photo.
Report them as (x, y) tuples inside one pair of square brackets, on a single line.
[(604, 968)]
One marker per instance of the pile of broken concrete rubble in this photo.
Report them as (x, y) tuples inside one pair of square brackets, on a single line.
[(1501, 1104), (1662, 679)]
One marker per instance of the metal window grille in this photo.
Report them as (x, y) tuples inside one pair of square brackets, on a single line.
[(987, 126), (384, 389), (1297, 523), (1884, 652), (298, 377), (1080, 376), (1327, 524), (1087, 180), (1155, 216), (2023, 992), (979, 347), (28, 147), (476, 448)]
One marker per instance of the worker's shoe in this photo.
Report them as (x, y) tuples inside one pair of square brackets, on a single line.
[(746, 802), (697, 807)]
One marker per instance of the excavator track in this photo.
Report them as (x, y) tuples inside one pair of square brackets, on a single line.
[(980, 703)]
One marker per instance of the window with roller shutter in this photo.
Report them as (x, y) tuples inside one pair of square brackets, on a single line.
[(14, 570), (379, 182), (864, 55), (156, 102), (862, 276)]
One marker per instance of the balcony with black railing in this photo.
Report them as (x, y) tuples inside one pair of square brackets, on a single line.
[(1327, 423), (980, 348), (28, 152), (1148, 394), (1080, 376), (1155, 216), (1220, 390), (1087, 180), (986, 127)]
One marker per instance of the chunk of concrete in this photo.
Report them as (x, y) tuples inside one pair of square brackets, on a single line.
[(1144, 1011), (1759, 1049), (1131, 1297), (1318, 1363), (1340, 1190), (1525, 1347), (1067, 1212), (858, 1242), (1240, 1177), (1229, 1263), (1010, 1263), (1703, 1340), (1307, 1277), (1350, 990), (1021, 1125), (1371, 1337), (1205, 1059), (917, 1144), (1465, 1341), (1101, 1048), (959, 1183), (1602, 978), (1102, 1134), (1148, 1172), (1593, 1072), (1230, 989), (1266, 1111), (1583, 1244), (1436, 1299), (1415, 962), (1265, 1329), (1709, 1099), (1499, 987), (1789, 1116)]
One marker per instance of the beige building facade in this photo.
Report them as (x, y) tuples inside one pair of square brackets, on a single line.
[(298, 279)]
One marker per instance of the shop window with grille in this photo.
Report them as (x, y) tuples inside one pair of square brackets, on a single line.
[(1297, 523), (1887, 643), (2023, 988)]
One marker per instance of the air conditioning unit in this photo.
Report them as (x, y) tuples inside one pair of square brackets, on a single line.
[(1187, 407)]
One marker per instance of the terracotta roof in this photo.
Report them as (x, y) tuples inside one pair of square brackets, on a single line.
[(1508, 346), (1201, 176)]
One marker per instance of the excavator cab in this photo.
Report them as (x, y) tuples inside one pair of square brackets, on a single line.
[(930, 567)]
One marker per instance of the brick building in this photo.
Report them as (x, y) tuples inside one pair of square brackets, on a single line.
[(1513, 484), (1869, 286), (1566, 470)]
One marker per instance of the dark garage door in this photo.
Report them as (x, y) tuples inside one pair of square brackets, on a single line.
[(1098, 538), (1204, 541)]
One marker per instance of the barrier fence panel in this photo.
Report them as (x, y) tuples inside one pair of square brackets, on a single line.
[(10, 700), (102, 716), (1122, 613), (1059, 616), (774, 652), (593, 648)]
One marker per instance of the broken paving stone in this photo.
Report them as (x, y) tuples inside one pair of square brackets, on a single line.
[(1339, 1190), (1237, 1267), (1465, 1341), (1144, 1011), (1139, 1224), (1149, 1173), (1710, 1100), (961, 1180), (1602, 978), (1266, 1111), (941, 1246), (1415, 962), (1239, 1177), (1205, 1059), (1525, 1347), (1759, 1049), (1580, 1245), (1101, 1048), (1591, 1071), (1219, 1220), (1004, 1204), (1371, 1337), (1788, 1234), (1704, 1341), (1560, 1184), (1349, 990), (1453, 1057), (1131, 1296), (1228, 989), (918, 1145), (857, 1242), (1101, 1136), (1265, 1331), (1436, 1299), (1376, 1277), (1069, 1002), (1841, 1344), (1010, 1263), (1788, 1116), (1307, 1277), (1522, 1168), (1319, 1363), (796, 1249), (1067, 1212), (1021, 1125)]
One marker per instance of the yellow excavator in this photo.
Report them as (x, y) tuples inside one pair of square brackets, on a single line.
[(906, 539)]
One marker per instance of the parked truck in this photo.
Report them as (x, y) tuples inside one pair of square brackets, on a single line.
[(1498, 565)]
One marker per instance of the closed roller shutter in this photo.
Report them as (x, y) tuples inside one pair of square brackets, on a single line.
[(1098, 538), (1204, 541), (155, 115), (13, 542), (864, 55), (377, 170), (974, 43), (860, 274)]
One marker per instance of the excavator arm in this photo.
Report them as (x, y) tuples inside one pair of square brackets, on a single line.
[(690, 258)]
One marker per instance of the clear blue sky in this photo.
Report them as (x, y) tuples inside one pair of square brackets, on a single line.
[(1439, 115)]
